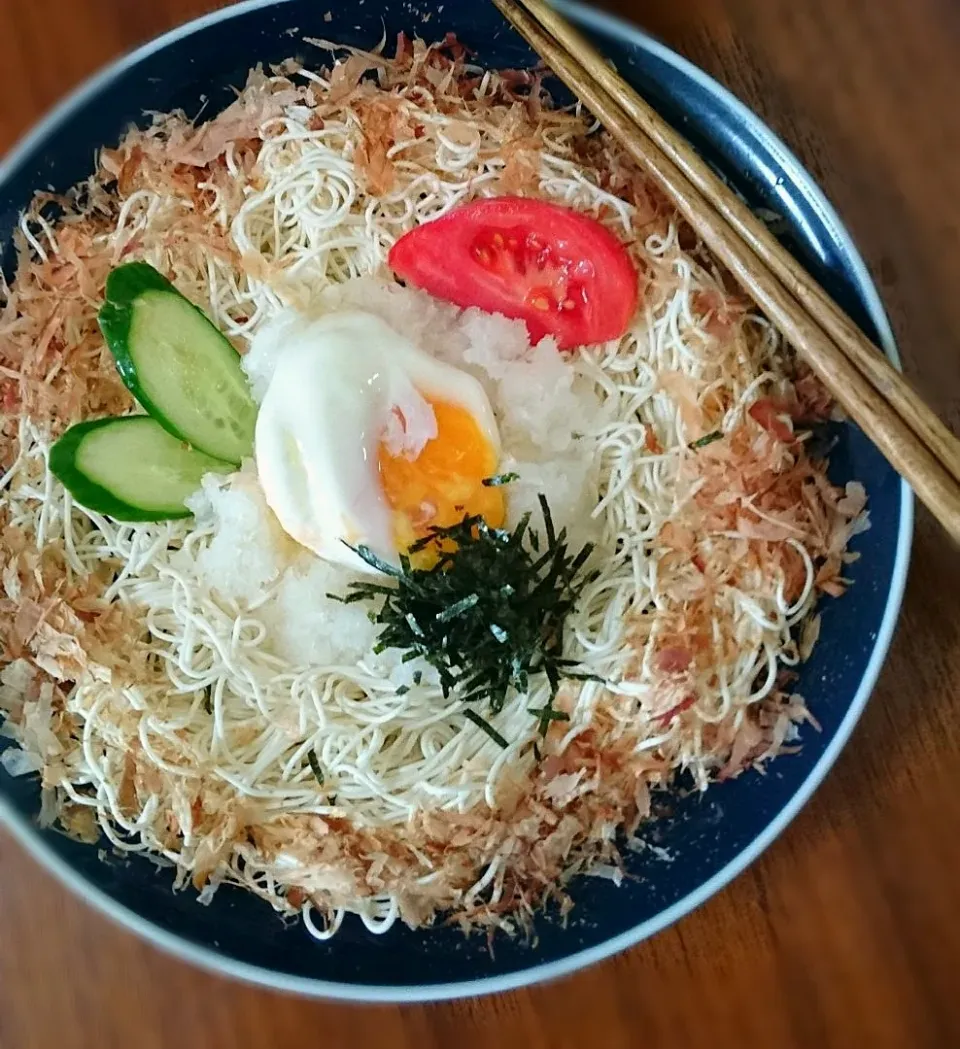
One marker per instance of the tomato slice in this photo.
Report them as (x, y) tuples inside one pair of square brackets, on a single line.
[(560, 272)]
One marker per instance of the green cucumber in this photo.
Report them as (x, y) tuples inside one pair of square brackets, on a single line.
[(177, 364), (130, 468)]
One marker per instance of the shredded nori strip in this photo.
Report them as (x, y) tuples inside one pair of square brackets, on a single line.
[(487, 615), (707, 438), (472, 715), (315, 765)]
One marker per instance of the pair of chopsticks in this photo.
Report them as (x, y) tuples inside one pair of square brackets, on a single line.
[(888, 410)]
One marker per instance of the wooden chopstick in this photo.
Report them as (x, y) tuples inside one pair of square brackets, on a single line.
[(885, 418)]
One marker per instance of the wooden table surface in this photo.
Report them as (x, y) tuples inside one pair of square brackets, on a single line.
[(847, 931)]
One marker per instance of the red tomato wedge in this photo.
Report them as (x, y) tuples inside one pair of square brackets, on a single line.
[(560, 272)]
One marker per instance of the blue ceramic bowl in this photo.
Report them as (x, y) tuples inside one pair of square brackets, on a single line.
[(711, 838)]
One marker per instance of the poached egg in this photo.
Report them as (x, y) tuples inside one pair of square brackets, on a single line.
[(364, 439)]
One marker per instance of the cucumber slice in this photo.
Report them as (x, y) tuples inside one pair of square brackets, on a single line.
[(177, 364), (130, 468)]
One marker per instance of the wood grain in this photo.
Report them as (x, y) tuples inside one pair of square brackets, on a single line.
[(847, 932)]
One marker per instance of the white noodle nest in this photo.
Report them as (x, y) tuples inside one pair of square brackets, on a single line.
[(384, 754)]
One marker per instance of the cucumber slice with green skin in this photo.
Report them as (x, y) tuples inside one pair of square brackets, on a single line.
[(130, 468), (177, 364)]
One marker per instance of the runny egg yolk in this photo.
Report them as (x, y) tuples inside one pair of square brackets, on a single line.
[(444, 482)]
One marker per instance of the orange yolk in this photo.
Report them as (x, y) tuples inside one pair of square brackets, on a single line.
[(445, 481)]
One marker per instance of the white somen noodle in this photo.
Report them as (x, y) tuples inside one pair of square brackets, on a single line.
[(177, 677)]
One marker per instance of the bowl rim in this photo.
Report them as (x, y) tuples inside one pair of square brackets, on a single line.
[(210, 959)]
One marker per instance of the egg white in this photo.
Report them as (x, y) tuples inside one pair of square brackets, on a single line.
[(341, 384)]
